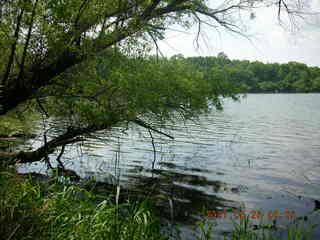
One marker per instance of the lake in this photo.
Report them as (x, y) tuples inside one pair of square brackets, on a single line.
[(261, 153)]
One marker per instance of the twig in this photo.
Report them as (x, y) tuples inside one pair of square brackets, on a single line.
[(14, 232), (145, 125), (59, 157), (46, 158), (154, 149), (42, 108)]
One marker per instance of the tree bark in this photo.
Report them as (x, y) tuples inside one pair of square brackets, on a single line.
[(13, 49), (69, 137)]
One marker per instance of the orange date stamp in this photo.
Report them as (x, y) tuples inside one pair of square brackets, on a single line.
[(238, 214)]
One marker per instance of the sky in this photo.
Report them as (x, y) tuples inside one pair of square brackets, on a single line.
[(267, 41)]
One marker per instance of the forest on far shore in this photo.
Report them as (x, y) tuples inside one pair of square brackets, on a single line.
[(258, 77)]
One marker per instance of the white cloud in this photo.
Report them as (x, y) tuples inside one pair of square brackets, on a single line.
[(269, 42)]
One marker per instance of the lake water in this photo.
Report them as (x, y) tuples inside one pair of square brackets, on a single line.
[(262, 153)]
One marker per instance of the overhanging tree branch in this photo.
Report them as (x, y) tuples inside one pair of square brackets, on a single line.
[(147, 126), (72, 135), (134, 16)]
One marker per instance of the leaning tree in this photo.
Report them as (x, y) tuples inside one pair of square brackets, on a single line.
[(85, 63)]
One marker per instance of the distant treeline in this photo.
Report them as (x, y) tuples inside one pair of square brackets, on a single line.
[(258, 77)]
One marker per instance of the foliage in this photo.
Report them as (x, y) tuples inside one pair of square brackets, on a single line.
[(121, 89), (258, 77), (40, 39), (16, 123), (30, 211), (16, 128)]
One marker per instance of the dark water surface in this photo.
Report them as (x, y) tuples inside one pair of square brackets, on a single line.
[(262, 153)]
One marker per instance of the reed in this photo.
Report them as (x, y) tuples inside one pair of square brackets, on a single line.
[(28, 211)]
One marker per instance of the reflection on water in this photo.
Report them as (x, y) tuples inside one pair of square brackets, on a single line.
[(177, 202), (262, 152)]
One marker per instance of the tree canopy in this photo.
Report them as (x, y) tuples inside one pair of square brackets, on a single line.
[(257, 77)]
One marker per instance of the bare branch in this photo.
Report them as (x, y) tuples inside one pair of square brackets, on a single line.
[(154, 149), (147, 126), (59, 157)]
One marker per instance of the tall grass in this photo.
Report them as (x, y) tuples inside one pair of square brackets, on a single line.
[(29, 210)]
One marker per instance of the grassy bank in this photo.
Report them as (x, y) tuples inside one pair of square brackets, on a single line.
[(30, 209)]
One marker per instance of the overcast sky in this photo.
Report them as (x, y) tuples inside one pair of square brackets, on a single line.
[(269, 42)]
